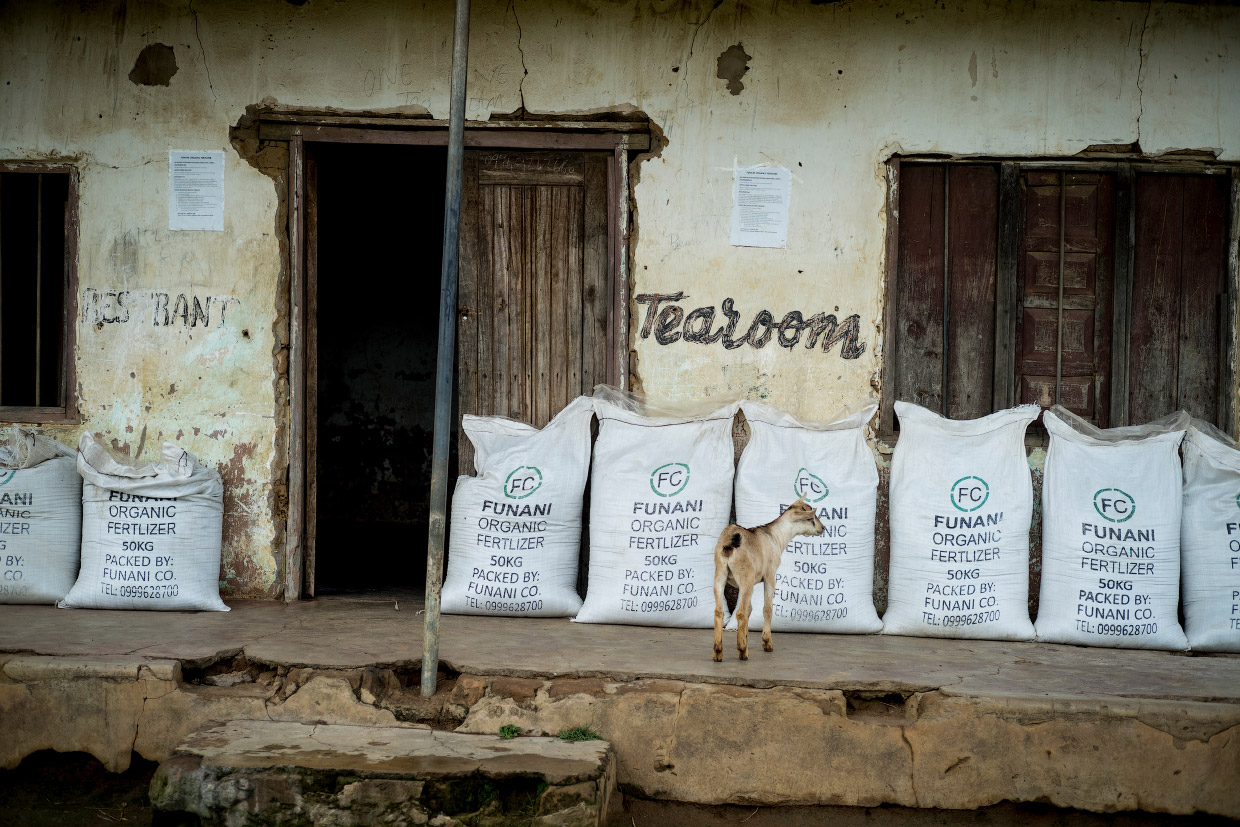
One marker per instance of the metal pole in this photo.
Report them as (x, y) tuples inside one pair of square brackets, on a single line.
[(445, 367)]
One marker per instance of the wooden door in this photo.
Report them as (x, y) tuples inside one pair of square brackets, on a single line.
[(532, 312), (1063, 337), (945, 318), (1179, 263)]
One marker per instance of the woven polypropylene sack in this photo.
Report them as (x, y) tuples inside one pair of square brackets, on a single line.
[(516, 526), (824, 583), (1210, 540), (1111, 507), (961, 503), (150, 534), (40, 519), (660, 494)]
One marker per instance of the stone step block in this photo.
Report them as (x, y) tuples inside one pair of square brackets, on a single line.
[(288, 773)]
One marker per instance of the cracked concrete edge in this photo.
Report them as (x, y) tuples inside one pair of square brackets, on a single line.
[(37, 668)]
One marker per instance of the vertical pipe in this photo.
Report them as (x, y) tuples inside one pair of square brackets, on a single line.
[(38, 294), (1063, 211), (444, 369), (947, 285)]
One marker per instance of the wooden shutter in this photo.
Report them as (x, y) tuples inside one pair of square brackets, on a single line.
[(533, 294), (1063, 331), (944, 332), (1179, 263)]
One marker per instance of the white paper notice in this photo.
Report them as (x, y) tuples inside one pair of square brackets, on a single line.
[(760, 197), (195, 190)]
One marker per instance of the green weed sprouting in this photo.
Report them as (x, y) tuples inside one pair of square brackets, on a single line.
[(509, 731), (581, 733)]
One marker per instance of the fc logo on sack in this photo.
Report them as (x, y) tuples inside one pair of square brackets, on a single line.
[(5, 478), (969, 493), (810, 486), (1114, 505), (669, 480), (522, 482)]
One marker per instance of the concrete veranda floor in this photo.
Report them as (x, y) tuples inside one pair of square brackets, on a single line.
[(351, 633)]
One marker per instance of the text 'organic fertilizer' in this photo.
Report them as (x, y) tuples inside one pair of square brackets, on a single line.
[(1111, 505), (824, 583), (961, 504), (660, 494), (516, 526)]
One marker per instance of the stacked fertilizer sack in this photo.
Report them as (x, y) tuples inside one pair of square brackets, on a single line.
[(516, 526), (824, 583), (1210, 540), (40, 518), (961, 505), (660, 494), (150, 534), (1111, 508)]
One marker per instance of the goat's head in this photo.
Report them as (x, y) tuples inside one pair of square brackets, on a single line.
[(804, 518)]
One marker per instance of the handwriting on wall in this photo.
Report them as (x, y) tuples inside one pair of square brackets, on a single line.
[(667, 321), (102, 307)]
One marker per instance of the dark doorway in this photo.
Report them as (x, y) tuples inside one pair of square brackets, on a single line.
[(376, 229)]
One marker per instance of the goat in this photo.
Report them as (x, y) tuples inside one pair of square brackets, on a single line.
[(745, 556)]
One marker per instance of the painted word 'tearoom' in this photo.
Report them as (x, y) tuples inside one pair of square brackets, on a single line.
[(670, 324)]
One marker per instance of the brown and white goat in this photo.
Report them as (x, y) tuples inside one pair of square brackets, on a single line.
[(747, 556)]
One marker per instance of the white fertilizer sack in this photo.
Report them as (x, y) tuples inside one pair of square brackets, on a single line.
[(40, 519), (1111, 505), (961, 503), (150, 534), (824, 583), (1210, 540), (516, 527), (660, 494)]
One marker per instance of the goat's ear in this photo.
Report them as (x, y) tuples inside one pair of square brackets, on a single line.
[(800, 501)]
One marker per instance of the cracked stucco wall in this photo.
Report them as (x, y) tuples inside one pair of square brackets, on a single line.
[(827, 90)]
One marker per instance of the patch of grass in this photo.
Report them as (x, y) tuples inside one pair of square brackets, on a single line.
[(509, 731), (581, 733)]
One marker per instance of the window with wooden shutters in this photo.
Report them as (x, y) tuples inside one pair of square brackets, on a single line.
[(1101, 286), (1063, 328), (38, 236)]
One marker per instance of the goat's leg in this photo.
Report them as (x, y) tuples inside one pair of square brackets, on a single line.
[(721, 579), (768, 600), (743, 604)]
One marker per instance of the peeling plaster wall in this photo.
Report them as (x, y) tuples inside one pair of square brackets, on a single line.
[(828, 90)]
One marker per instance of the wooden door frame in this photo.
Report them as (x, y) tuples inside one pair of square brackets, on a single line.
[(620, 138)]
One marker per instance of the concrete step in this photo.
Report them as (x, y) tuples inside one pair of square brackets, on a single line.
[(287, 773)]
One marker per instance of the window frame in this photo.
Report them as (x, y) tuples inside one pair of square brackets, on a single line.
[(68, 412), (1010, 221)]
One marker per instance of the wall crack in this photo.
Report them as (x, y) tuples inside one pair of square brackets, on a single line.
[(525, 72), (700, 26), (912, 768), (198, 37), (1141, 56)]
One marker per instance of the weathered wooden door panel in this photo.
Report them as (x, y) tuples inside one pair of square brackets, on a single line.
[(947, 262), (1063, 330), (533, 293), (1179, 261)]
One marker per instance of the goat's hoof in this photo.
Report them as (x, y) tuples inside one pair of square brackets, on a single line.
[(766, 647), (718, 656), (744, 656)]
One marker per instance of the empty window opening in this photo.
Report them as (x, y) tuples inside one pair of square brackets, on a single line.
[(377, 217), (34, 274)]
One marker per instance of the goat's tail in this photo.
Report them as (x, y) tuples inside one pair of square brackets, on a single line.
[(731, 544)]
